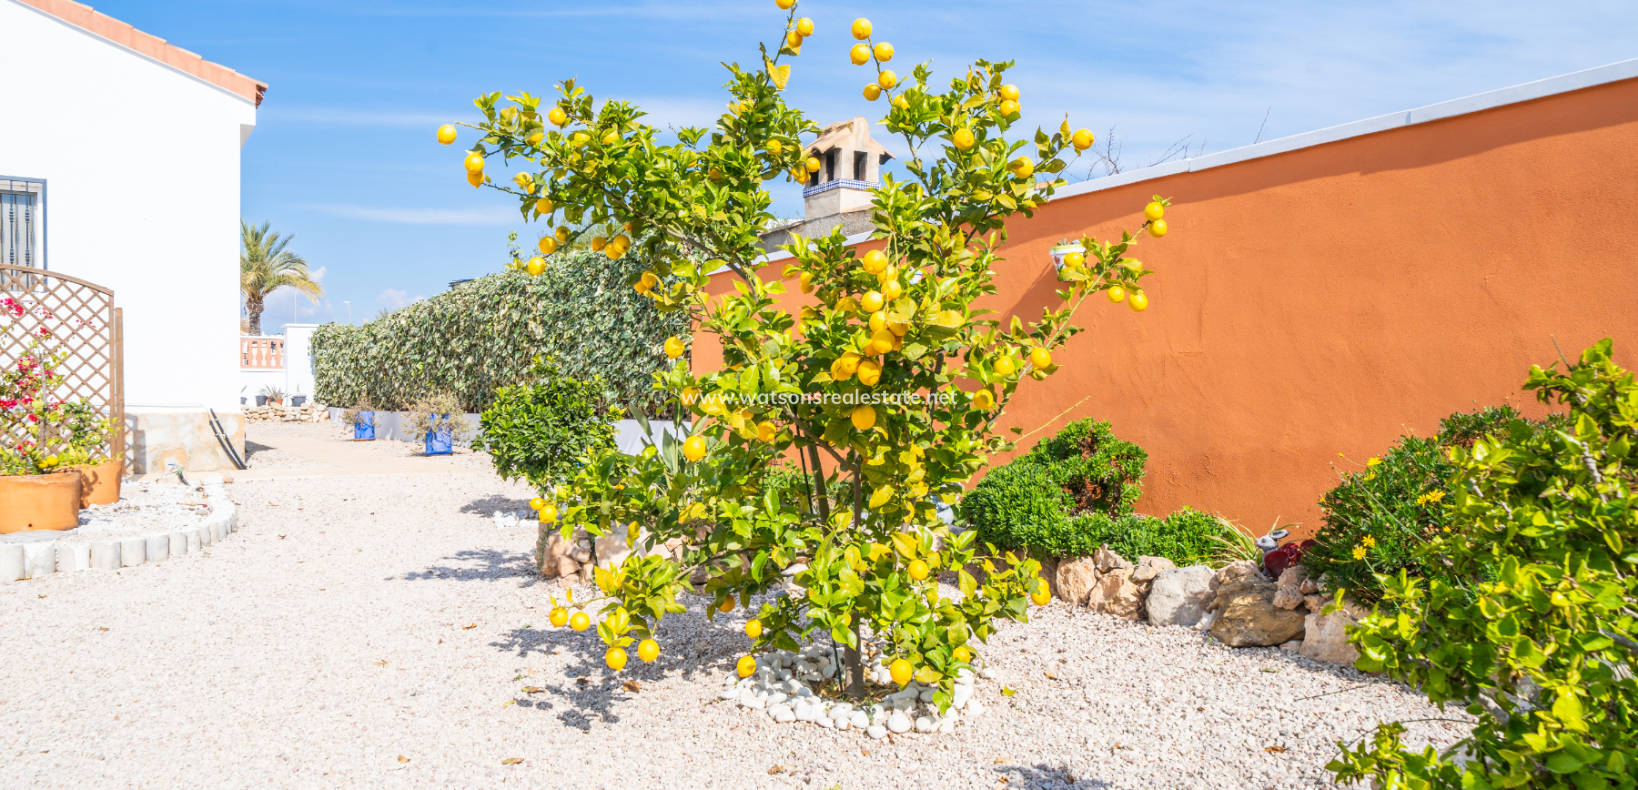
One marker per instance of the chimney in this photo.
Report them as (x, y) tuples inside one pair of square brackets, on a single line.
[(839, 193)]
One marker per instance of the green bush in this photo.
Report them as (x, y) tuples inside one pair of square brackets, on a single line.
[(1073, 493), (1100, 472), (1377, 520), (1541, 654), (482, 335), (541, 431)]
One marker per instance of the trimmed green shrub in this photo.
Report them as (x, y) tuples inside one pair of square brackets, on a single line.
[(1100, 472), (1378, 519), (1073, 493), (541, 431), (485, 334)]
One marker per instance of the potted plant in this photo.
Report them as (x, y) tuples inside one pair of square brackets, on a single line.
[(362, 417), (36, 492), (439, 422), (84, 438), (275, 396), (1061, 253)]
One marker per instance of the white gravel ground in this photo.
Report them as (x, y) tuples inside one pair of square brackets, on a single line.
[(380, 632), (143, 508)]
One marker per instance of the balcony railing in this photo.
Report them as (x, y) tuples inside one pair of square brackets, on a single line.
[(261, 353)]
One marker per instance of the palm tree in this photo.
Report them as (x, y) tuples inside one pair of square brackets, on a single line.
[(264, 265)]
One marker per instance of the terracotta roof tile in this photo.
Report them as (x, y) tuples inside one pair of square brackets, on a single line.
[(101, 24)]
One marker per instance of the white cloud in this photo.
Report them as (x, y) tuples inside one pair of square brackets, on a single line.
[(394, 299), (497, 215)]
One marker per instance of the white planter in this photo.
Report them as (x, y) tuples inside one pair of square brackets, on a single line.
[(1062, 251)]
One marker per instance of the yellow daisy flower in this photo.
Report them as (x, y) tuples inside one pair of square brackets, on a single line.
[(1359, 552), (1368, 541)]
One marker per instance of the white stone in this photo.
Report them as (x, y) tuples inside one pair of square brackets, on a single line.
[(777, 697), (859, 719), (158, 547), (732, 692), (960, 696), (987, 673), (925, 724), (964, 676), (782, 714), (755, 701), (206, 535), (132, 552), (179, 544), (898, 722), (825, 722), (73, 557), (39, 558), (974, 708), (877, 731), (12, 564), (105, 555)]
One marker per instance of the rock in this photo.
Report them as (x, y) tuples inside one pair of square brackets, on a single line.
[(898, 722), (1291, 646), (925, 724), (1310, 586), (782, 714), (1150, 567), (974, 708), (1289, 592), (1107, 560), (1287, 599), (876, 731), (1234, 571), (1326, 636), (612, 549), (1247, 616), (1175, 595), (962, 693), (861, 720), (1316, 603), (1076, 578), (1116, 594)]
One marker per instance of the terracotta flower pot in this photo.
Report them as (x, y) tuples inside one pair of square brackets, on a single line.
[(39, 502), (99, 483)]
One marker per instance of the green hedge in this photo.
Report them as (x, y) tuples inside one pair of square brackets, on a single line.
[(485, 334)]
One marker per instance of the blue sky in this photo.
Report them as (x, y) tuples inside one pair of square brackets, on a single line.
[(344, 156)]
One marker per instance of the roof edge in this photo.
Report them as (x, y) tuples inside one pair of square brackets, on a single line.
[(1489, 100), (99, 24)]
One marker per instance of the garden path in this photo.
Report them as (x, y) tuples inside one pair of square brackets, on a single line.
[(384, 632)]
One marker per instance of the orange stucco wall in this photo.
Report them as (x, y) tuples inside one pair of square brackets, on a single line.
[(1329, 299)]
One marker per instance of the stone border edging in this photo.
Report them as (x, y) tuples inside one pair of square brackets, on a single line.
[(33, 559)]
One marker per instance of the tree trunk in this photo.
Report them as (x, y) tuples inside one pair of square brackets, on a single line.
[(255, 311), (855, 664)]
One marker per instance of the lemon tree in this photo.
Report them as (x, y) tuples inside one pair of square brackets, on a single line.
[(884, 387)]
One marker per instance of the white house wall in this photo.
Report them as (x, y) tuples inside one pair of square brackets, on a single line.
[(141, 162)]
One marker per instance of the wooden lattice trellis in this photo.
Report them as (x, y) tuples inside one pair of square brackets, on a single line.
[(83, 323)]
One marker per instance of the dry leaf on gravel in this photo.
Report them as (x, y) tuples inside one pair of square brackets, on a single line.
[(403, 759), (1276, 749), (512, 761), (1002, 761), (99, 628), (778, 769), (510, 702), (469, 627), (381, 663), (1050, 676), (633, 686), (532, 689)]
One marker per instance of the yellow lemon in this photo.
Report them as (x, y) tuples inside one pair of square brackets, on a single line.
[(793, 39), (1005, 366), (1009, 92), (871, 302), (872, 92), (536, 265), (598, 243), (1115, 294), (615, 658), (878, 321), (1022, 167), (805, 282), (746, 666), (766, 431), (775, 147), (962, 654), (887, 79), (475, 179), (1157, 228), (883, 342), (727, 605), (753, 628), (579, 621), (884, 52), (694, 448), (875, 262), (580, 138), (812, 164), (861, 28), (557, 116), (446, 133), (1082, 139), (537, 503), (848, 364), (804, 26), (647, 650), (647, 282), (544, 206), (1009, 109), (918, 570), (1154, 211), (611, 138), (898, 328), (474, 162), (1074, 260), (1139, 302), (1041, 598), (534, 139), (674, 347), (863, 417), (860, 54), (870, 372), (559, 616), (799, 174), (547, 245), (548, 514), (983, 400), (622, 240), (900, 669), (1040, 358), (963, 139), (563, 235), (892, 291)]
